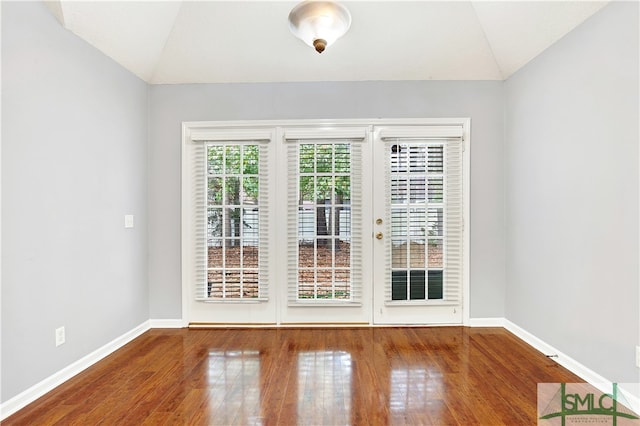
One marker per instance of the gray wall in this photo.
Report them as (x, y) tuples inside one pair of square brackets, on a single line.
[(571, 162), (482, 101), (75, 160), (74, 163)]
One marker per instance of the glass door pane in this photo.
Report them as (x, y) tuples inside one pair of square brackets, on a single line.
[(410, 228), (327, 243), (416, 201), (324, 221)]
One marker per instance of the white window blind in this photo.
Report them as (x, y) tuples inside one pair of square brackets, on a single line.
[(423, 187), (324, 218), (230, 210)]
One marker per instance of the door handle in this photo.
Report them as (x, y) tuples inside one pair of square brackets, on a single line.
[(379, 235)]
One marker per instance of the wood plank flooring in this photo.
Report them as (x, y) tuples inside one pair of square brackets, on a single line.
[(311, 376)]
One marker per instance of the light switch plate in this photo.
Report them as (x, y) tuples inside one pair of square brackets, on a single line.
[(60, 336), (128, 221)]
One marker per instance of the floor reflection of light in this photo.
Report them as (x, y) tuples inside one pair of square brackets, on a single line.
[(324, 387), (234, 388), (412, 391)]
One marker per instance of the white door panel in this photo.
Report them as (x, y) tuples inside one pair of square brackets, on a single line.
[(417, 254), (327, 227)]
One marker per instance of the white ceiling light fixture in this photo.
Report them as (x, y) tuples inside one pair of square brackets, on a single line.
[(319, 23)]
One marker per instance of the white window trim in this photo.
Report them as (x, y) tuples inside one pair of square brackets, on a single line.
[(192, 138)]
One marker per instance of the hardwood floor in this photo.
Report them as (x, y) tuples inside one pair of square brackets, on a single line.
[(312, 376)]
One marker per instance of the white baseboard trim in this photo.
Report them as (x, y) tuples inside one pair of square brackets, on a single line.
[(39, 389), (588, 375), (28, 396), (486, 322), (167, 323)]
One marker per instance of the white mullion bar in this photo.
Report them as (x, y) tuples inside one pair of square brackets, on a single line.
[(425, 206), (315, 215), (333, 241), (445, 227), (427, 251), (225, 213), (332, 216), (315, 265), (241, 227), (407, 181), (332, 232)]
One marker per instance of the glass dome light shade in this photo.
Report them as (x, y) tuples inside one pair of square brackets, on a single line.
[(319, 23)]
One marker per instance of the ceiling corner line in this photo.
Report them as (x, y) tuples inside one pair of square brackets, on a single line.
[(486, 39), (55, 7)]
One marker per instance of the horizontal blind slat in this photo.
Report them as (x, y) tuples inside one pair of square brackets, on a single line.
[(264, 212), (198, 168), (356, 222), (453, 227), (292, 223)]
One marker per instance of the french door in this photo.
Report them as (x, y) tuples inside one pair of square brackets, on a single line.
[(328, 189), (295, 223), (418, 207)]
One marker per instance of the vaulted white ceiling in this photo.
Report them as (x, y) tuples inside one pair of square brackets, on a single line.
[(168, 42)]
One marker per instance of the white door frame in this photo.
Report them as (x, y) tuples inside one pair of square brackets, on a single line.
[(199, 128)]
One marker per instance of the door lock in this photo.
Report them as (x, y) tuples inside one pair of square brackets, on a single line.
[(379, 235), (378, 221)]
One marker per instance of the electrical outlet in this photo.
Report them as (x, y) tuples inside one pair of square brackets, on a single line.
[(638, 356), (60, 337)]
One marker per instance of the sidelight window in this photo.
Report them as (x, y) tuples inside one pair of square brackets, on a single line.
[(324, 220), (230, 207)]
